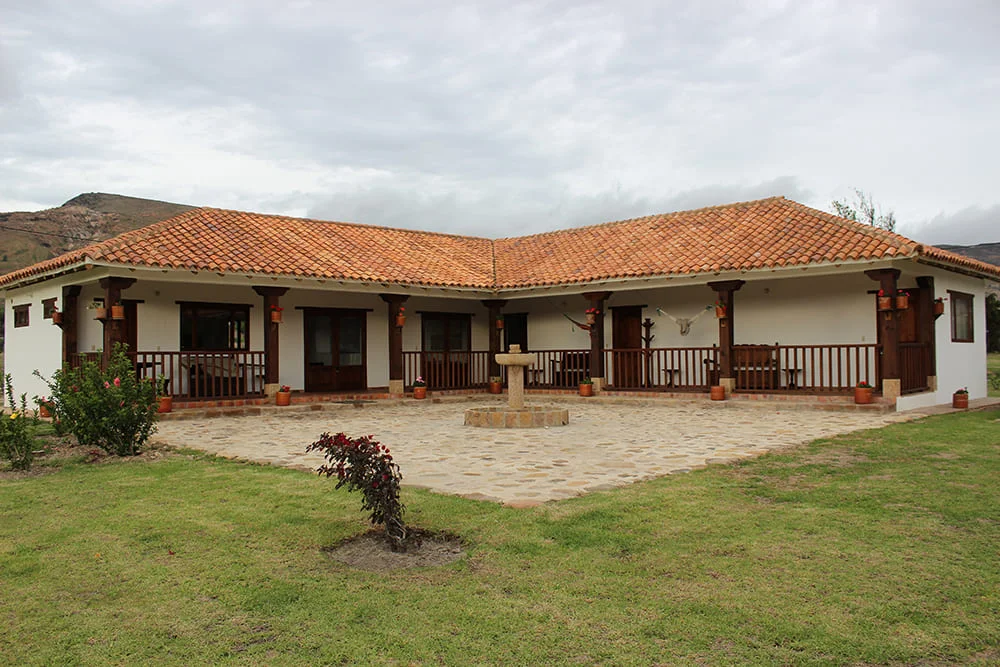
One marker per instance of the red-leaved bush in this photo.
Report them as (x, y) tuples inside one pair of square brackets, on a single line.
[(362, 464)]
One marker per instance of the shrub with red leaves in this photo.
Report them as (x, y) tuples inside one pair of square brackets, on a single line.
[(362, 464)]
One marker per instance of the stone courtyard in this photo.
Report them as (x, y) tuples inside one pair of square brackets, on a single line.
[(605, 445)]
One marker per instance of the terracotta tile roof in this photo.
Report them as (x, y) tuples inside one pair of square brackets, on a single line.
[(763, 234), (236, 242)]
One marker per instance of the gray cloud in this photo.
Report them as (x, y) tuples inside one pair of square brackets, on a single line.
[(498, 116)]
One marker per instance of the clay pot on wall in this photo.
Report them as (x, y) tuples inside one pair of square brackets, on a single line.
[(720, 312), (400, 321), (718, 393), (591, 318), (938, 308), (885, 303), (100, 313), (57, 318), (276, 316), (118, 312), (902, 301)]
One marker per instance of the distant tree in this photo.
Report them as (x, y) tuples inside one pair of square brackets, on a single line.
[(864, 210), (992, 323)]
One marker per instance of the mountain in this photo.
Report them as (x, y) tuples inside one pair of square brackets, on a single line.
[(985, 252), (29, 237)]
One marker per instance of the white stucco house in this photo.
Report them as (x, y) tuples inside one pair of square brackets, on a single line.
[(767, 296)]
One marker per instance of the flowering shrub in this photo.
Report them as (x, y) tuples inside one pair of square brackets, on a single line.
[(111, 408), (362, 464), (592, 311), (16, 443), (284, 389), (864, 385)]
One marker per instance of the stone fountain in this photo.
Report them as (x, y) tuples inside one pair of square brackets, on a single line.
[(516, 415)]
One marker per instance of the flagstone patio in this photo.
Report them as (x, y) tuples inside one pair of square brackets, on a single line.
[(605, 445)]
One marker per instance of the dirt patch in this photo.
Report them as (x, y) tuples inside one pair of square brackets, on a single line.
[(371, 551), (56, 451)]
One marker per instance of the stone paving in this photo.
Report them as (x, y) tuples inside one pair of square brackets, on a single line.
[(606, 444)]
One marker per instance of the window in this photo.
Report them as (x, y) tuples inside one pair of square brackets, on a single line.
[(21, 315), (48, 306), (215, 326), (961, 317), (446, 332)]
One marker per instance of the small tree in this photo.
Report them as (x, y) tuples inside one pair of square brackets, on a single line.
[(17, 443), (864, 210), (362, 464)]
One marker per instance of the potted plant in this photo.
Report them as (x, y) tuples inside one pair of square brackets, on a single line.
[(496, 384), (717, 392), (884, 301), (46, 407), (720, 309), (164, 399), (960, 399), (117, 311), (401, 317), (938, 306), (863, 393), (500, 322), (57, 318), (100, 312), (902, 300), (419, 388), (586, 387), (284, 395), (276, 314), (592, 314)]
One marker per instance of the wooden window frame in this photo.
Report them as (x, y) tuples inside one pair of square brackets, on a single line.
[(449, 319), (48, 307), (22, 315), (193, 307), (955, 297)]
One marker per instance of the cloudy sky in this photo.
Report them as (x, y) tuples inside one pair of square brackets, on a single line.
[(501, 119)]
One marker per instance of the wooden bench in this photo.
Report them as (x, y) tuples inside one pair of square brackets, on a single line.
[(756, 367)]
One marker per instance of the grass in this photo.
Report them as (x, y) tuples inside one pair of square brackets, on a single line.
[(877, 547)]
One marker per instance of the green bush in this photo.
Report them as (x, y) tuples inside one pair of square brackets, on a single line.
[(16, 442), (110, 408)]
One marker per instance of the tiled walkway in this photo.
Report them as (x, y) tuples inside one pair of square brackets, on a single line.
[(606, 444)]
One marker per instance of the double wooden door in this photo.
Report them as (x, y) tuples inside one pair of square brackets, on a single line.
[(334, 349)]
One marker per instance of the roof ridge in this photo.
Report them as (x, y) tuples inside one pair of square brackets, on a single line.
[(670, 214)]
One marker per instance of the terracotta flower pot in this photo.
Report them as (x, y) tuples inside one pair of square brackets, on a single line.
[(960, 401), (591, 318), (902, 302), (166, 404), (863, 395), (587, 389), (283, 398), (420, 393), (276, 316), (43, 411), (57, 317), (720, 312), (400, 321), (500, 324), (100, 313), (885, 303), (496, 387), (118, 312), (718, 393), (939, 307)]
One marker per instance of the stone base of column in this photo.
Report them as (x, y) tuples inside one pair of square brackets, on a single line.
[(271, 389), (729, 384), (396, 387), (598, 385), (932, 382), (892, 389)]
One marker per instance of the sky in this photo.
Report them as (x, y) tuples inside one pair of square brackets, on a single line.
[(502, 119)]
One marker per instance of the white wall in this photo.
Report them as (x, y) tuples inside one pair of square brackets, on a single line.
[(37, 346)]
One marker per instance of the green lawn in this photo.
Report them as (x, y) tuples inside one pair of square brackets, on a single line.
[(879, 547)]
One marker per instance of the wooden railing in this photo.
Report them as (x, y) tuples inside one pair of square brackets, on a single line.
[(808, 368), (560, 369), (447, 370), (669, 369), (197, 375), (914, 366)]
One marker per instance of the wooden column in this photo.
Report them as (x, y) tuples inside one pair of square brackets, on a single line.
[(393, 304), (888, 328), (724, 290), (926, 329), (71, 318), (597, 300), (494, 306), (114, 330), (272, 297)]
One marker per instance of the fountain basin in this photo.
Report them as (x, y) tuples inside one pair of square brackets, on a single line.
[(503, 417)]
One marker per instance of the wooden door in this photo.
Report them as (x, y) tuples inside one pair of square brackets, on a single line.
[(626, 341), (334, 350), (515, 331)]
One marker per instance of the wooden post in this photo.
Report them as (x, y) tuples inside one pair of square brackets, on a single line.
[(597, 300), (71, 318), (647, 342), (494, 306), (724, 293), (925, 327), (396, 380), (272, 296), (114, 330), (888, 333)]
